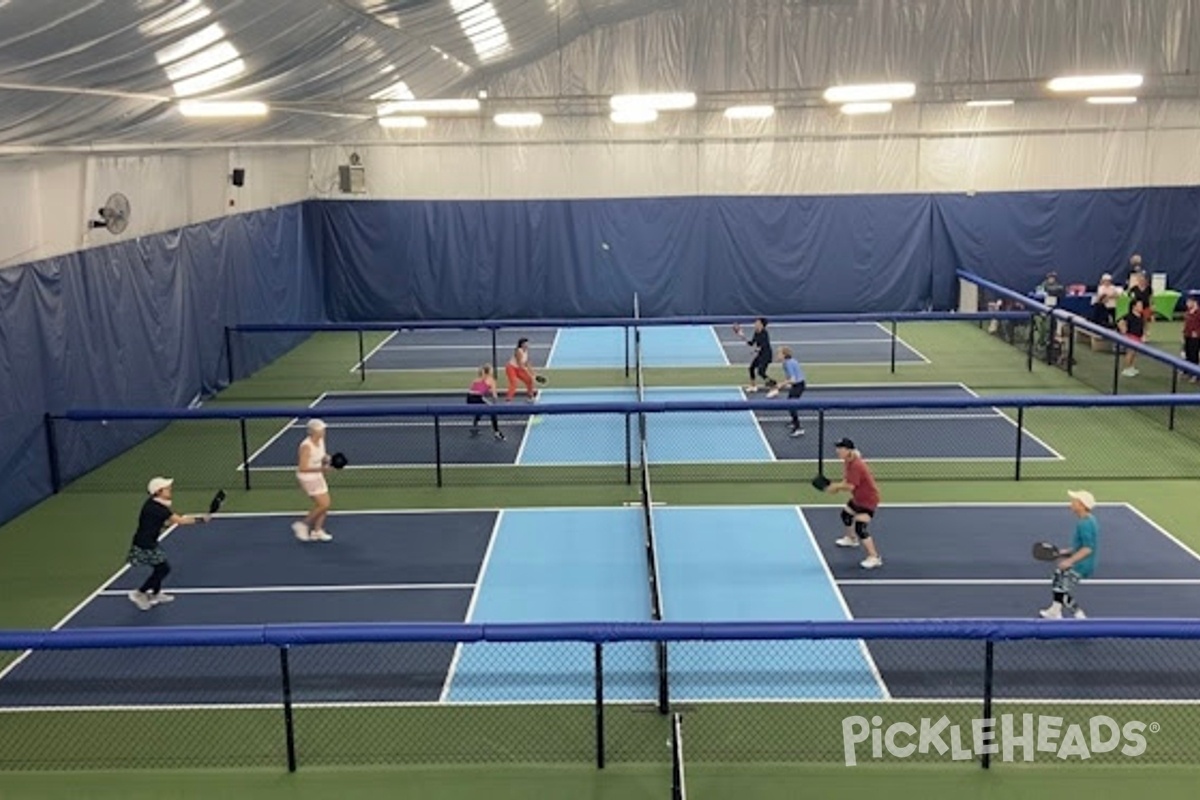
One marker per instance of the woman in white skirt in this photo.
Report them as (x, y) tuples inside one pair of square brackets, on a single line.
[(310, 472)]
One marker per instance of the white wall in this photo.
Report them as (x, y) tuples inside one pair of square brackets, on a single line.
[(918, 148), (49, 199)]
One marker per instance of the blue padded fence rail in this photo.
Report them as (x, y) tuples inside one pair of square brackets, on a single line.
[(1080, 323), (663, 407), (626, 322), (286, 635)]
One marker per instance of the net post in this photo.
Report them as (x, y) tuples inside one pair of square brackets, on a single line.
[(52, 453), (437, 448), (664, 693), (1020, 440), (245, 453), (599, 678), (988, 675), (495, 351), (362, 358), (229, 354), (289, 722), (894, 323), (1174, 390)]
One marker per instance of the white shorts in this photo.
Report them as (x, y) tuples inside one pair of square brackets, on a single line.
[(313, 483)]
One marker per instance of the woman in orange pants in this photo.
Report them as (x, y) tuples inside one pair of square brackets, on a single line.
[(519, 369)]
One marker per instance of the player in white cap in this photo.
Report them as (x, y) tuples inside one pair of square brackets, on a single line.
[(145, 551), (1077, 562)]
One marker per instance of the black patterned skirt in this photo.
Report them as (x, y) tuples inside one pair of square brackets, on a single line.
[(145, 557)]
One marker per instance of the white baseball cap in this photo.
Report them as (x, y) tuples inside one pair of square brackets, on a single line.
[(316, 425), (156, 485), (1089, 501)]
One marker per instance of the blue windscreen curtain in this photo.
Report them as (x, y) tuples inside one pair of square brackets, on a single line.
[(139, 323), (587, 258)]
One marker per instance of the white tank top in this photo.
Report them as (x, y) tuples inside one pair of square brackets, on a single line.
[(316, 453)]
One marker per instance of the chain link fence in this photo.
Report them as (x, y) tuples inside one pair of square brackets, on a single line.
[(967, 702)]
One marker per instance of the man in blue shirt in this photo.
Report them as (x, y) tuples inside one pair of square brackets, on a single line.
[(794, 382), (1078, 562)]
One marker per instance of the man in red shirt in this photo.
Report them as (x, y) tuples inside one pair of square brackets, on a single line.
[(864, 500), (1191, 333)]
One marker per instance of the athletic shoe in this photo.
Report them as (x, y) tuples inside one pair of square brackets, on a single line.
[(161, 597), (140, 600), (771, 395), (321, 536), (499, 435), (847, 541), (796, 432), (1053, 612), (871, 562), (301, 531), (1079, 614)]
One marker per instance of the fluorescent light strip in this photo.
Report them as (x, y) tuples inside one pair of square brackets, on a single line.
[(633, 116), (866, 108), (518, 120), (1094, 83), (1112, 101), (870, 92), (429, 106), (403, 122), (657, 102), (749, 112), (988, 103), (200, 108)]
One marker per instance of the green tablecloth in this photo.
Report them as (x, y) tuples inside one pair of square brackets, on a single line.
[(1164, 303)]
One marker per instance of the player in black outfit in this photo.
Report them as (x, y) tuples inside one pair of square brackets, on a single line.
[(761, 342), (156, 514)]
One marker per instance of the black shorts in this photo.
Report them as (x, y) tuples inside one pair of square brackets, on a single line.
[(857, 509)]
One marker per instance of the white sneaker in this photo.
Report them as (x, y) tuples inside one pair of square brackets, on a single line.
[(796, 433), (301, 531), (1079, 614), (871, 562), (1053, 612), (847, 541), (161, 597), (321, 536), (771, 395), (140, 600)]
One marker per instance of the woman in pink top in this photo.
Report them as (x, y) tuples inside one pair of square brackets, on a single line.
[(483, 392)]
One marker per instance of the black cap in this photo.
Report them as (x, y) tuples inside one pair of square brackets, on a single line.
[(846, 443)]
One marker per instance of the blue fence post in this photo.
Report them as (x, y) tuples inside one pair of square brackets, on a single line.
[(988, 675), (599, 678), (1020, 440), (229, 353), (362, 358), (894, 324), (245, 453), (52, 454), (289, 723), (437, 448), (495, 352)]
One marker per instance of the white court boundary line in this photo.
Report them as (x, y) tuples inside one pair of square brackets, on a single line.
[(720, 345), (444, 694), (1057, 456), (358, 365), (811, 539), (310, 588)]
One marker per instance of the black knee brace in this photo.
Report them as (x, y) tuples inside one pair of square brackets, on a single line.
[(860, 529), (847, 517)]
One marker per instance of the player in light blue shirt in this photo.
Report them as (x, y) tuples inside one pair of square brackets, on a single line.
[(1077, 563), (794, 382)]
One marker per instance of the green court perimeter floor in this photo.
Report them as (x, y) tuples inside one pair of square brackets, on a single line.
[(54, 555)]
